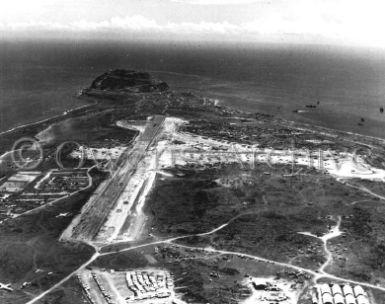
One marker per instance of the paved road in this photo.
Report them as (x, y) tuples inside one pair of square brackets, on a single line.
[(366, 190), (62, 281)]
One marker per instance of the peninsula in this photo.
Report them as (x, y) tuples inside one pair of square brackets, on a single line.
[(154, 195)]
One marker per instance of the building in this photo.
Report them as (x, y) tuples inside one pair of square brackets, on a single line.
[(339, 294)]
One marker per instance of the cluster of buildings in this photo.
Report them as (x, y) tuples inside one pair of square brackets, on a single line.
[(147, 285), (14, 186), (339, 294), (271, 291), (24, 191), (63, 181), (19, 181)]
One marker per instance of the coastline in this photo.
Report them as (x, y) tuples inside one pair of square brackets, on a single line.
[(314, 128), (186, 81), (45, 120), (204, 87)]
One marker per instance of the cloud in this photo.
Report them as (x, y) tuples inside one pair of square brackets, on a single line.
[(218, 2), (130, 24), (268, 29), (140, 23), (335, 21), (16, 8)]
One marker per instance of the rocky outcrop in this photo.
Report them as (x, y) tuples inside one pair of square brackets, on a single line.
[(128, 81)]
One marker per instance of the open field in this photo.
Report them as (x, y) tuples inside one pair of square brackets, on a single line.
[(360, 253)]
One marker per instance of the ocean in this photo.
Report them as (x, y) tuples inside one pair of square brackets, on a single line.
[(39, 79)]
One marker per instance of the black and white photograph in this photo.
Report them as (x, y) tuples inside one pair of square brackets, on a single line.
[(192, 152)]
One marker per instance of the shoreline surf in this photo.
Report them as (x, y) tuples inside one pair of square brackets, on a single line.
[(45, 120)]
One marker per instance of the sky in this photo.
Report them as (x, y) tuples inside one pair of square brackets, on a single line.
[(345, 22)]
